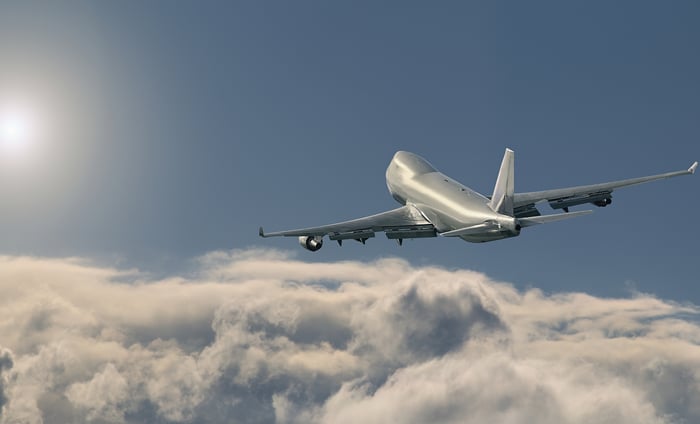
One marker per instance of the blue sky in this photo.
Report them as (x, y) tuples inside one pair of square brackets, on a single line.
[(174, 129)]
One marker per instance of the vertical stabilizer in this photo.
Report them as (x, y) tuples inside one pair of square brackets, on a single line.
[(502, 198)]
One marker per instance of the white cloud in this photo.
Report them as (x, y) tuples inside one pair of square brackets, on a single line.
[(6, 364), (258, 336)]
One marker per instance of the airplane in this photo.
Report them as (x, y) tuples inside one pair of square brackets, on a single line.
[(437, 205)]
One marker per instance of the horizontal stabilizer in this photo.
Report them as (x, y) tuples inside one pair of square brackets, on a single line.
[(474, 229), (545, 219)]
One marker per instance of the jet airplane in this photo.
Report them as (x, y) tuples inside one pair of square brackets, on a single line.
[(437, 205)]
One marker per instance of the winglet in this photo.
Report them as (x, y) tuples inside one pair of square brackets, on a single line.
[(261, 232), (693, 167)]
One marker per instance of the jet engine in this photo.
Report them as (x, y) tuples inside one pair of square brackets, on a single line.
[(603, 202), (602, 199), (312, 243)]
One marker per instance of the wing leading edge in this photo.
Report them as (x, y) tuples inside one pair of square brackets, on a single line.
[(400, 223), (597, 194)]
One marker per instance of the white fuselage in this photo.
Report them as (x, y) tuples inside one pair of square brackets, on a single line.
[(446, 203)]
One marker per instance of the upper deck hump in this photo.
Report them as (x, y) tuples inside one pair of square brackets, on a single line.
[(411, 163)]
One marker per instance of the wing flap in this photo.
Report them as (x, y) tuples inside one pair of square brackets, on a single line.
[(526, 211), (419, 231), (352, 235)]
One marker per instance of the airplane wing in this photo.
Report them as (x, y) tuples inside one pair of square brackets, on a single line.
[(597, 194), (400, 223)]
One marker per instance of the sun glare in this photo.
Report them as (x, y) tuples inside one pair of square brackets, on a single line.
[(17, 129)]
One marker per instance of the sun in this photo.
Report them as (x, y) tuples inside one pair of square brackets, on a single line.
[(14, 128), (17, 129)]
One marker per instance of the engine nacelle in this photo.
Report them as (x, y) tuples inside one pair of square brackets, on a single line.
[(311, 243), (601, 199), (603, 202)]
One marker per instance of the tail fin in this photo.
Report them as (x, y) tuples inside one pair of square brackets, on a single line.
[(502, 198)]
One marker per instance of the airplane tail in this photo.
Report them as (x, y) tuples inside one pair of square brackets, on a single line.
[(502, 198)]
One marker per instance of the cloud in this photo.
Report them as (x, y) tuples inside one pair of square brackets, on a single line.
[(258, 336), (5, 364)]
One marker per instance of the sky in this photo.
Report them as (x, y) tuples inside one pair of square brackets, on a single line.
[(160, 135)]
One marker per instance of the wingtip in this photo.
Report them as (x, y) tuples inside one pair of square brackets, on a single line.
[(261, 232), (693, 167)]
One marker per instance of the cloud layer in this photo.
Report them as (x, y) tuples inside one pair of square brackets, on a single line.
[(258, 337)]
